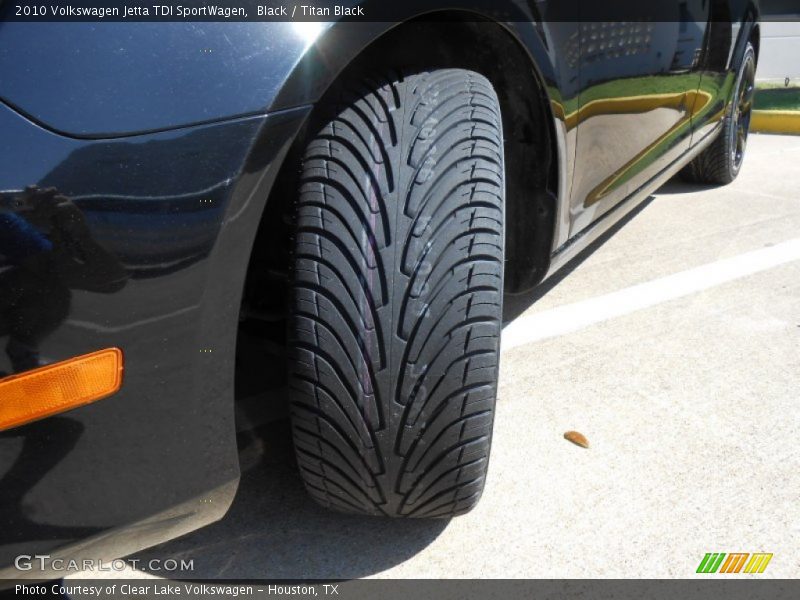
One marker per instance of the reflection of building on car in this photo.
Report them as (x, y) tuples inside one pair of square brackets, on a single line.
[(46, 250), (156, 225), (23, 292), (143, 247)]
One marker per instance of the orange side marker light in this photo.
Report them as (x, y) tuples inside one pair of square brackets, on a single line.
[(58, 387)]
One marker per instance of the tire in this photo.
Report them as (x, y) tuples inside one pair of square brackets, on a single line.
[(720, 163), (396, 296)]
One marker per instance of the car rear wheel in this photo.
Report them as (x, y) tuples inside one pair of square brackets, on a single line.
[(396, 294), (720, 163)]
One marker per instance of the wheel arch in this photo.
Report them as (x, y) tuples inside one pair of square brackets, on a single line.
[(749, 31), (518, 71)]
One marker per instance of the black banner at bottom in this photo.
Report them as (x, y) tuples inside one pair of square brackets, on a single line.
[(408, 589)]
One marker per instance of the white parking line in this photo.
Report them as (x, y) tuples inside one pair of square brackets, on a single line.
[(579, 315)]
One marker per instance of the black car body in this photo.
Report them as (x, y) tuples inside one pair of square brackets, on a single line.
[(171, 140)]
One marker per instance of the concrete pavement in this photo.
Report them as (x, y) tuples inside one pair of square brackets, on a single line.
[(689, 401)]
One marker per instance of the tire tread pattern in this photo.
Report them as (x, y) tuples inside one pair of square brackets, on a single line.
[(396, 297)]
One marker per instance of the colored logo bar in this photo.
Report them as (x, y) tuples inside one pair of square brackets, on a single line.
[(721, 562)]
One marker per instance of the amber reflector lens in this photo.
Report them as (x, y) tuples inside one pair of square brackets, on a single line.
[(55, 388)]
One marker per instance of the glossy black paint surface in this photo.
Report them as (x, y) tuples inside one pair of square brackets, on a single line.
[(95, 80), (174, 210), (169, 218)]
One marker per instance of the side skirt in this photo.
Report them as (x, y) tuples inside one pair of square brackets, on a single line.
[(575, 245)]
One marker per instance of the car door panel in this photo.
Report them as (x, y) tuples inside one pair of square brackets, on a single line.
[(639, 80)]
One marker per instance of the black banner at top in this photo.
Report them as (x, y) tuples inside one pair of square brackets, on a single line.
[(385, 10)]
